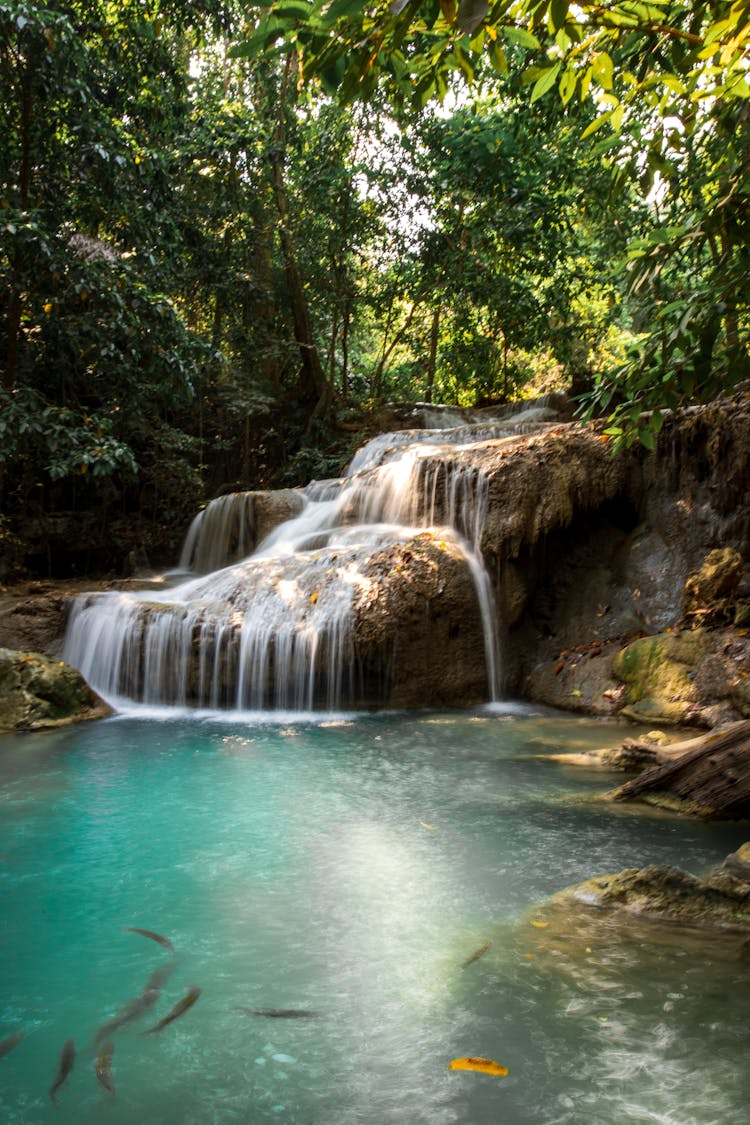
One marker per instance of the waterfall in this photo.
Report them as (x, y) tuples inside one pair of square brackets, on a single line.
[(267, 621), (223, 532)]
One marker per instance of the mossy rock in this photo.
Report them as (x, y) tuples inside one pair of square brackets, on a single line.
[(658, 673), (718, 576), (37, 692), (669, 894)]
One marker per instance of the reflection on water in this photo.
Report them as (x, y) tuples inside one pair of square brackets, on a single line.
[(350, 868)]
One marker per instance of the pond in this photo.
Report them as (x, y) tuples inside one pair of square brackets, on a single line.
[(344, 871)]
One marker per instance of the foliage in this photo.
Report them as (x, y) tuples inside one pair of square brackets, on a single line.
[(230, 231), (670, 85)]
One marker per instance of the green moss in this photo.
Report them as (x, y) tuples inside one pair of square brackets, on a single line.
[(658, 673), (37, 692)]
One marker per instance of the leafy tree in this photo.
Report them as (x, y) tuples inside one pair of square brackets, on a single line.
[(97, 360), (670, 85)]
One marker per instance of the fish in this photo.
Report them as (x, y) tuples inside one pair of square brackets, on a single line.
[(64, 1067), (484, 1066), (10, 1042), (281, 1013), (480, 952), (153, 935), (179, 1009), (138, 1006), (104, 1066)]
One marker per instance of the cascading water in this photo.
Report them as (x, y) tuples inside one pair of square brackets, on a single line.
[(275, 629)]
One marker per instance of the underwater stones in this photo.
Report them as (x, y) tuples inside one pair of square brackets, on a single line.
[(36, 692), (669, 894)]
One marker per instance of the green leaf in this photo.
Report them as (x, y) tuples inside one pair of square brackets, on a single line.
[(647, 437), (596, 125), (292, 9), (603, 70), (522, 37), (498, 59), (568, 85), (545, 81), (340, 8), (558, 13)]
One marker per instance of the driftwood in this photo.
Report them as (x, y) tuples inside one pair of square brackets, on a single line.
[(713, 778)]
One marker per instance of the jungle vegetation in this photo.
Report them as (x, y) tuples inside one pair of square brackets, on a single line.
[(230, 231)]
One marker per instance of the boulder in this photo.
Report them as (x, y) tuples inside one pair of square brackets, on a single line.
[(578, 680), (396, 625), (693, 676), (36, 692), (667, 894), (659, 673), (417, 625)]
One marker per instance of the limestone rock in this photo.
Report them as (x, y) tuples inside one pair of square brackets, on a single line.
[(666, 893), (578, 680), (36, 692), (708, 591), (417, 625), (34, 619), (658, 673)]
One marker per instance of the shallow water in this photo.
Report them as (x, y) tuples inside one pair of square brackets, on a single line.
[(350, 867)]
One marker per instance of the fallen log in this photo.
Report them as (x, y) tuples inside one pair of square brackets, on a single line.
[(712, 780)]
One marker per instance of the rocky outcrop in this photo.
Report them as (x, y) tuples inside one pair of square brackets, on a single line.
[(589, 552), (722, 900), (685, 677), (36, 692), (33, 617)]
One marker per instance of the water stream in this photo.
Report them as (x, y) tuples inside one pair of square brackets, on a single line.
[(349, 868)]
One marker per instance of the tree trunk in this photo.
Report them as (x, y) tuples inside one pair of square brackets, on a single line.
[(15, 302), (714, 777), (313, 374), (432, 354)]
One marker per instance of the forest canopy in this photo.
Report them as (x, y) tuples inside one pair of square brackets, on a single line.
[(230, 232)]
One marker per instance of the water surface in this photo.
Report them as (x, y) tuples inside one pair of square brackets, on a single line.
[(349, 868)]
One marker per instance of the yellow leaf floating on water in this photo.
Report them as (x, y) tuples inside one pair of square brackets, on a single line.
[(484, 1066), (313, 598), (430, 827), (540, 925)]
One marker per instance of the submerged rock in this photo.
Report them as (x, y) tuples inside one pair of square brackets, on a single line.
[(36, 692), (668, 894)]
